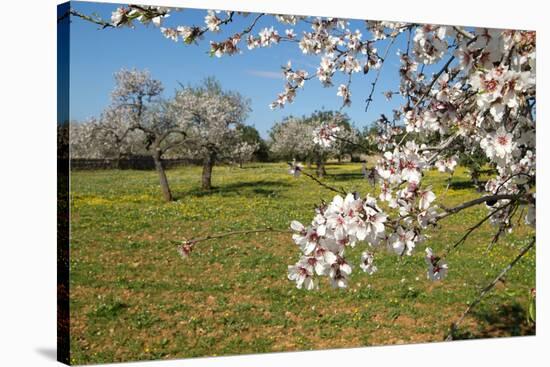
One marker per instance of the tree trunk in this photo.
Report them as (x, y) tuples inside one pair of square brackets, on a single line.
[(166, 193), (118, 158), (207, 170), (321, 172)]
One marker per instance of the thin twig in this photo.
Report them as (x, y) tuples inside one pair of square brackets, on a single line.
[(434, 80), (438, 74), (252, 25), (104, 24), (369, 98), (488, 288), (339, 191), (473, 228), (465, 33)]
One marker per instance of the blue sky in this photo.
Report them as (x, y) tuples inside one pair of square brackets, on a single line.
[(97, 53)]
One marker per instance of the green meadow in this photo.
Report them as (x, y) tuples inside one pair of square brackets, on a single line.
[(134, 298)]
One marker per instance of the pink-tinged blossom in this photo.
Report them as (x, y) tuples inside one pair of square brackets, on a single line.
[(437, 268), (402, 241), (499, 145), (325, 134), (446, 164), (184, 250), (212, 21), (429, 43), (344, 92), (302, 274), (426, 199), (295, 168), (367, 263)]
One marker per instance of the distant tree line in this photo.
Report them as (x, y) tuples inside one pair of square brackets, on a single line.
[(202, 122)]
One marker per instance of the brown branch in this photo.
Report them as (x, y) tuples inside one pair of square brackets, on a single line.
[(473, 228), (488, 288), (341, 191), (434, 80), (378, 72), (366, 149), (104, 24), (441, 147), (252, 25), (481, 200), (531, 179), (438, 74)]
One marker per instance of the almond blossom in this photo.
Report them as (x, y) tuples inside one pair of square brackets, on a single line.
[(402, 241), (437, 268), (367, 263), (302, 274), (325, 134)]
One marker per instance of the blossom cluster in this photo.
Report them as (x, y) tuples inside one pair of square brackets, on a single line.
[(336, 226), (484, 103), (124, 16), (325, 134), (352, 220)]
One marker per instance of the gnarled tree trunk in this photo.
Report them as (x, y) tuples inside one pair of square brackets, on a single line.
[(321, 172), (166, 193), (207, 166), (117, 160)]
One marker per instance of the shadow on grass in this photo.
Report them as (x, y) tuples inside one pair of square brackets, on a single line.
[(508, 320), (259, 187), (464, 185), (345, 176)]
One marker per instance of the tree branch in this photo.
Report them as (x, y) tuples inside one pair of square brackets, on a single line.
[(104, 24), (473, 228), (438, 74), (481, 200), (488, 288), (369, 98), (339, 191)]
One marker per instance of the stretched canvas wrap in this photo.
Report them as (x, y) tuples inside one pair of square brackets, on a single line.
[(235, 183)]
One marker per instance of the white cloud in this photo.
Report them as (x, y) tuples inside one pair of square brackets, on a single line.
[(266, 74)]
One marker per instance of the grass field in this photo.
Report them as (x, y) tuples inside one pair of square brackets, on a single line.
[(134, 298)]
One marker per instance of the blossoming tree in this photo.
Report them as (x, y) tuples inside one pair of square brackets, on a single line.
[(109, 136), (244, 152), (210, 116), (297, 138), (480, 94), (137, 106), (292, 138)]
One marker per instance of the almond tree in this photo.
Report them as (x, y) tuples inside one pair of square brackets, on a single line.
[(210, 116), (244, 152), (136, 102), (294, 138), (108, 137), (82, 141)]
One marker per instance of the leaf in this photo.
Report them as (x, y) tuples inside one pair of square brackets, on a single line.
[(532, 310)]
